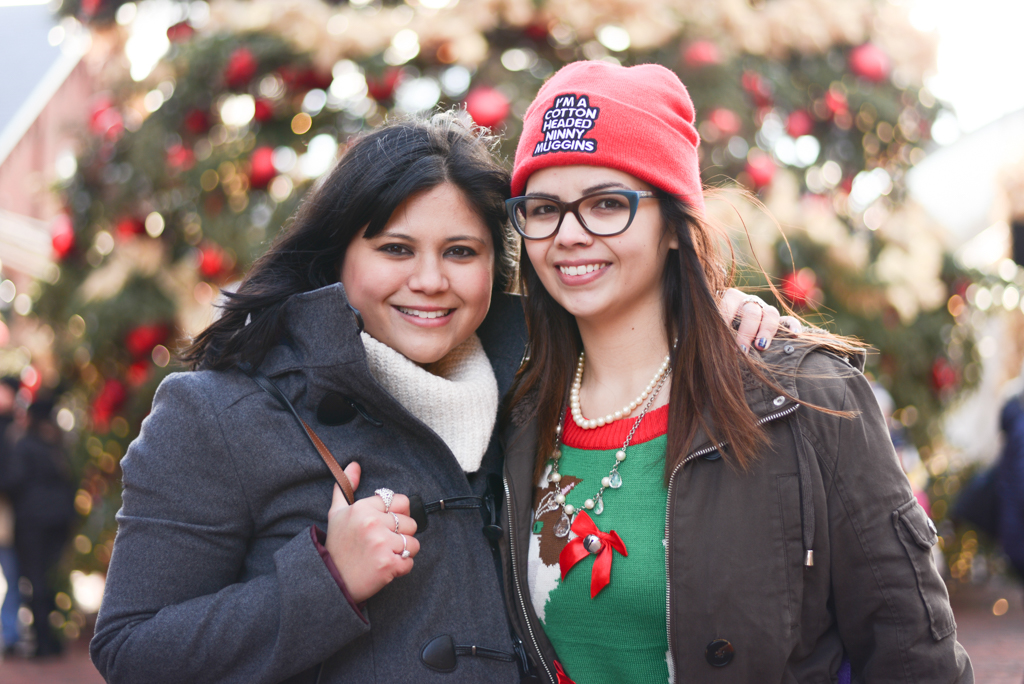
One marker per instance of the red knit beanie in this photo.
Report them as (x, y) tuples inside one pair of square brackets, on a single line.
[(635, 119)]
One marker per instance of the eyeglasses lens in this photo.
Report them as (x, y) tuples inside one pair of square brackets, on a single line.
[(606, 213)]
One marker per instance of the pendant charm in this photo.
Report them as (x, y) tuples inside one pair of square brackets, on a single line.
[(562, 527), (615, 480), (592, 544), (599, 506)]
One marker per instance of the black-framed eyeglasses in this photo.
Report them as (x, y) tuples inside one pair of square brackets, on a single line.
[(604, 213)]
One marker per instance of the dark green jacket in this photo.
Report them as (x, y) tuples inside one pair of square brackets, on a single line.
[(739, 542)]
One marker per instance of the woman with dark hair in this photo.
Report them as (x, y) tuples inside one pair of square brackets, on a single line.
[(377, 329), (677, 511)]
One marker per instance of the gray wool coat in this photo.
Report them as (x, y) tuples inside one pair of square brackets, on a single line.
[(214, 575)]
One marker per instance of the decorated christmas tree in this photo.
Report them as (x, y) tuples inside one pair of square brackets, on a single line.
[(189, 171)]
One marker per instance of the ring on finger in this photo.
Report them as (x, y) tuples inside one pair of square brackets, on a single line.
[(405, 546), (395, 516), (386, 495), (754, 299)]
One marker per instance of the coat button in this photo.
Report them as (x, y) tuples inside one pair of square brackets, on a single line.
[(779, 401), (719, 653), (789, 349)]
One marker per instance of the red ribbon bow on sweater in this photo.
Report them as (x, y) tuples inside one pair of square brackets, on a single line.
[(574, 552)]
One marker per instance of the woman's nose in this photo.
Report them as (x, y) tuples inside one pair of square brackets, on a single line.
[(571, 233), (428, 277)]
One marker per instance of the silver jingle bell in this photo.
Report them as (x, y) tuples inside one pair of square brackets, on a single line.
[(592, 544)]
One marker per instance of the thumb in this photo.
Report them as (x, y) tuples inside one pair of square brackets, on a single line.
[(354, 472), (338, 501)]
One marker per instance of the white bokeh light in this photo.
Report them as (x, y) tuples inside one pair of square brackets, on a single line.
[(978, 56)]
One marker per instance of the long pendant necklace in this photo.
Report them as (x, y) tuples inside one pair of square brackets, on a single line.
[(613, 479)]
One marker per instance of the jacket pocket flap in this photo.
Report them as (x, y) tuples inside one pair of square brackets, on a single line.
[(917, 524)]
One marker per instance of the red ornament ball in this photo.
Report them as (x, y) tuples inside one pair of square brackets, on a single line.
[(105, 120), (137, 373), (62, 236), (197, 121), (701, 53), (536, 31), (180, 32), (110, 399), (264, 110), (944, 376), (304, 78), (836, 102), (211, 260), (140, 340), (261, 167), (180, 158), (799, 123), (382, 87), (800, 287), (128, 227), (487, 106), (726, 121), (761, 170), (240, 69), (868, 61), (759, 88)]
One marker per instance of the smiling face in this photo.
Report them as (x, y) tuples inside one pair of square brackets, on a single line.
[(600, 278), (423, 285)]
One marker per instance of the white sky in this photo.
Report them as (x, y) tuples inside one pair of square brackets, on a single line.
[(981, 56)]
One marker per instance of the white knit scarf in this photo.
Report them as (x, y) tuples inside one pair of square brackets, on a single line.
[(458, 400)]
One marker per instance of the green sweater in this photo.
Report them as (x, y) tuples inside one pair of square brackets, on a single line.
[(620, 635)]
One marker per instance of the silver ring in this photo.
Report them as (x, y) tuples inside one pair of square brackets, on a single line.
[(386, 495), (756, 300), (395, 516), (405, 546)]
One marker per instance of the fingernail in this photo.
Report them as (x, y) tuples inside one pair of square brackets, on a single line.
[(762, 343), (744, 348)]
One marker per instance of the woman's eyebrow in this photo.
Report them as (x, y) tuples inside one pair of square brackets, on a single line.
[(460, 238), (586, 191), (604, 186), (394, 235)]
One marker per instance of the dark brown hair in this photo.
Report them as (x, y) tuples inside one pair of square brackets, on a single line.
[(707, 368), (377, 173)]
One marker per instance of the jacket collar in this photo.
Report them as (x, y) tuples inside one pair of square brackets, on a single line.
[(782, 362)]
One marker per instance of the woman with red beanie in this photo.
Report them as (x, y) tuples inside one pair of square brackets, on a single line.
[(675, 510)]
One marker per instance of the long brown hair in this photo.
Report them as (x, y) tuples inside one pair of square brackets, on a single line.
[(707, 368)]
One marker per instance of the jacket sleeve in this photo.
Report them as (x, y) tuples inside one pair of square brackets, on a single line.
[(891, 605), (174, 609)]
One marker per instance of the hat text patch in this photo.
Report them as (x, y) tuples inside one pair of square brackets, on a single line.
[(565, 124)]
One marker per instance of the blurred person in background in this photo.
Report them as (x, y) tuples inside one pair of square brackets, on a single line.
[(9, 386), (1010, 483), (43, 496)]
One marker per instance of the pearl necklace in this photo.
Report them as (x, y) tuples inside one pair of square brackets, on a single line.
[(574, 397), (613, 479)]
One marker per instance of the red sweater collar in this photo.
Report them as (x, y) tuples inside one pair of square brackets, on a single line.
[(611, 436)]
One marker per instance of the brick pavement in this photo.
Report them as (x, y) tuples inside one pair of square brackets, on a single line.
[(995, 643)]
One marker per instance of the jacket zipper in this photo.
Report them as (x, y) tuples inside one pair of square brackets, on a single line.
[(668, 517), (515, 580)]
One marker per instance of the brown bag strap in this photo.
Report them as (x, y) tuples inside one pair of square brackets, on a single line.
[(273, 390), (332, 464)]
